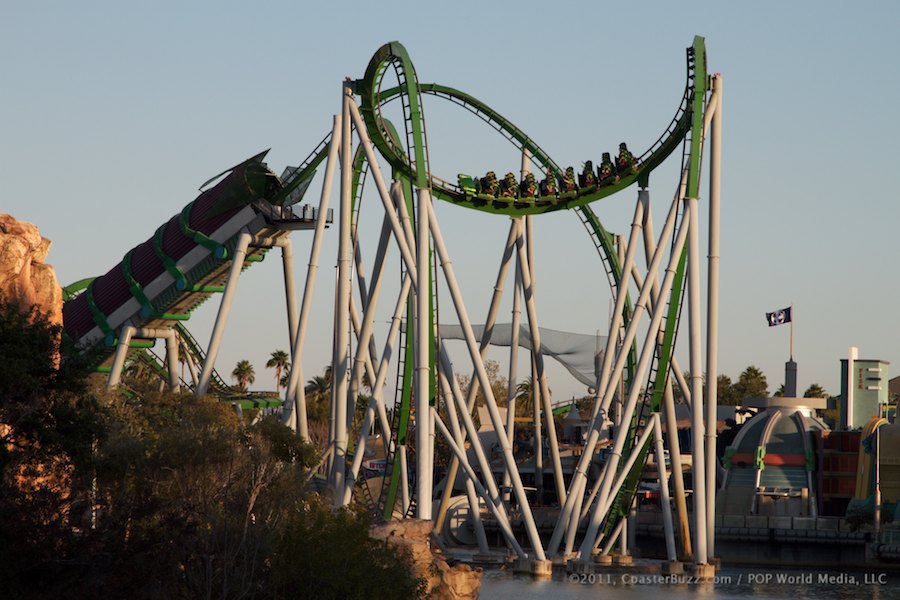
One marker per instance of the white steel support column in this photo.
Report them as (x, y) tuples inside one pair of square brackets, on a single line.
[(290, 289), (172, 360), (712, 315), (668, 398), (115, 372), (341, 359), (450, 403), (663, 488), (698, 464), (237, 263), (383, 192), (491, 403), (295, 397), (493, 310), (454, 400), (531, 310), (501, 518), (424, 441), (513, 368), (609, 353), (645, 357)]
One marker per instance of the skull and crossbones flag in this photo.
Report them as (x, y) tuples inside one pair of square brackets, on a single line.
[(779, 317)]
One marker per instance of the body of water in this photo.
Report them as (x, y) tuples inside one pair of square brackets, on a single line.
[(763, 582)]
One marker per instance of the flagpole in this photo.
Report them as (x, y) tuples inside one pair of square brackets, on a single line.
[(792, 332)]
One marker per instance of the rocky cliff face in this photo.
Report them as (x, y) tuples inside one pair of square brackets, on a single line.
[(458, 582), (24, 277)]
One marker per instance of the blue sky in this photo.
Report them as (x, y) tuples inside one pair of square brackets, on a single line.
[(114, 113)]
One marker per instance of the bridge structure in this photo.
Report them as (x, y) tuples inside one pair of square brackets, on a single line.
[(248, 210)]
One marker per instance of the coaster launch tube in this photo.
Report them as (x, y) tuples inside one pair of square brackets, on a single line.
[(169, 275)]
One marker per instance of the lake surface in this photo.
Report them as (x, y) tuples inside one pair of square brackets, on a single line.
[(753, 582)]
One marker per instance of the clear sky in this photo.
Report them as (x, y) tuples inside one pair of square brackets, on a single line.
[(114, 113)]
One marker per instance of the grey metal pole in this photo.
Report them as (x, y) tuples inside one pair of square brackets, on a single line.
[(364, 337), (712, 314), (172, 360), (295, 395), (453, 397), (513, 366), (341, 359), (290, 289), (684, 532), (192, 367), (609, 352), (698, 466), (474, 479), (474, 506), (668, 398), (237, 263), (493, 310), (605, 395), (115, 372), (663, 488), (531, 310), (646, 355), (383, 192), (491, 403), (424, 466)]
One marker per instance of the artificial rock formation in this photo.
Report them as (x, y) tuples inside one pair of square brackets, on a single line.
[(444, 582), (24, 277)]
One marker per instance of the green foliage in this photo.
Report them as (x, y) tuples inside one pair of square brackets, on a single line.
[(725, 393), (751, 384), (280, 361), (244, 374), (321, 554), (162, 496), (498, 384), (815, 391), (318, 397), (29, 345)]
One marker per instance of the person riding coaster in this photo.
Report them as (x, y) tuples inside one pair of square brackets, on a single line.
[(607, 169), (528, 187), (586, 178), (625, 161), (549, 186), (568, 181), (508, 186), (489, 184)]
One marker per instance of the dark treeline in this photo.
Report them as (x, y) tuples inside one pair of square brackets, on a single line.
[(159, 495)]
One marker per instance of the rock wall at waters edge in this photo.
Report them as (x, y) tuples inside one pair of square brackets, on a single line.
[(444, 582)]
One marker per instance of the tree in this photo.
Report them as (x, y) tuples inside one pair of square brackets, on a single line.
[(318, 396), (280, 361), (779, 393), (524, 398), (751, 384), (498, 384), (815, 391), (109, 495), (725, 393), (243, 374)]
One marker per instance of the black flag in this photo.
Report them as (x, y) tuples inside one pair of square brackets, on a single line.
[(779, 317)]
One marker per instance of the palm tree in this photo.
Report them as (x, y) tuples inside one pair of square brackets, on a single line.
[(318, 395), (751, 384), (524, 397), (280, 361), (244, 375), (815, 391)]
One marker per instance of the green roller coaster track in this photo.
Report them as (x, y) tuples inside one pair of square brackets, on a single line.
[(410, 164)]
